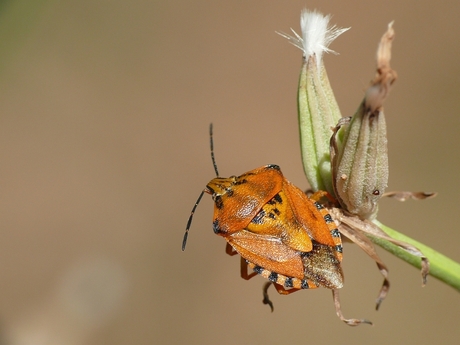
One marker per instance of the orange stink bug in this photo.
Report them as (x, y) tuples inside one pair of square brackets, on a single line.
[(279, 232)]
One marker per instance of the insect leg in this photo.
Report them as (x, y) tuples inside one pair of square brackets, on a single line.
[(317, 196), (243, 266), (229, 250), (244, 270), (279, 288), (266, 299)]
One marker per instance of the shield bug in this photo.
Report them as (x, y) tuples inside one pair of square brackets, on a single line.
[(279, 232)]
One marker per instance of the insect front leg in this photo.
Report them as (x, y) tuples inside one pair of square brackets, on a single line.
[(229, 250), (243, 264), (318, 195)]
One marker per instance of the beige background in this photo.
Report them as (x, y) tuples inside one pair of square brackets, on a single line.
[(104, 114)]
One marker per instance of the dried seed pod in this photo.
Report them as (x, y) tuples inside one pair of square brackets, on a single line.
[(360, 160)]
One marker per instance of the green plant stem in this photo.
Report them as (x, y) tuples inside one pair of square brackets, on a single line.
[(441, 266)]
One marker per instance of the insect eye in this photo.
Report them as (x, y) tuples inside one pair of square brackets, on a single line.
[(218, 201)]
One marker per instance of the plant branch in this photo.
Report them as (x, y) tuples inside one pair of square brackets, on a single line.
[(441, 267)]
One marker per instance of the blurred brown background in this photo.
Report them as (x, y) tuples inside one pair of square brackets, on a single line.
[(104, 114)]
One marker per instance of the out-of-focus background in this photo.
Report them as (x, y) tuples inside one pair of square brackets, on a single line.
[(104, 148)]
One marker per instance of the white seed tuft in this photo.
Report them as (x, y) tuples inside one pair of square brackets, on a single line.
[(316, 35)]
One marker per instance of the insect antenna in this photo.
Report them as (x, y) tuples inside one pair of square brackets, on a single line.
[(211, 142), (184, 241)]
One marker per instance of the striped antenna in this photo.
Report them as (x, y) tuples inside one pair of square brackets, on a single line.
[(184, 241), (211, 142)]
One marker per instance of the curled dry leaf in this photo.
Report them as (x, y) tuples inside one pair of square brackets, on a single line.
[(357, 229), (385, 75), (347, 228), (338, 310)]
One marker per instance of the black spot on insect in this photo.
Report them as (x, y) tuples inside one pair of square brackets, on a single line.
[(216, 227), (278, 198), (277, 212), (218, 201), (240, 182), (328, 218), (273, 277), (271, 215), (259, 217), (288, 282), (335, 233), (319, 206), (339, 248), (258, 269), (229, 192), (304, 284)]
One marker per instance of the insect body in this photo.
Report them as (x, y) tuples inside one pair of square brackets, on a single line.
[(275, 227)]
